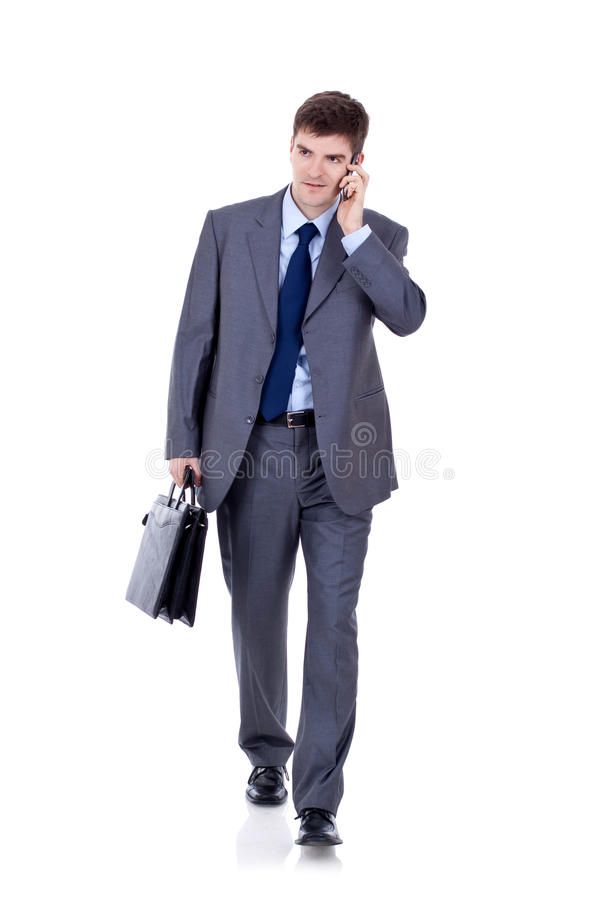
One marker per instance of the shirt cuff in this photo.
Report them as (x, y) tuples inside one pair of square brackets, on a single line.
[(353, 241)]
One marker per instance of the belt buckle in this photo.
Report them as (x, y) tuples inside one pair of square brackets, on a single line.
[(293, 413)]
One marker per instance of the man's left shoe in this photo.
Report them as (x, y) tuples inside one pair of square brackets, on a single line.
[(318, 827)]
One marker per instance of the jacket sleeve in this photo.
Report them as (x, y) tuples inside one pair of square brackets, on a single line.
[(397, 300), (193, 353)]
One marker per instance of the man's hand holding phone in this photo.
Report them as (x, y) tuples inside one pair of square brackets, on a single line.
[(352, 186), (177, 469)]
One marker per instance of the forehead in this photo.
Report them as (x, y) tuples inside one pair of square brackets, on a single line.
[(330, 144)]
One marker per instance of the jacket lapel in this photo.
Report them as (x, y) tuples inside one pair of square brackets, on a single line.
[(329, 268), (264, 243)]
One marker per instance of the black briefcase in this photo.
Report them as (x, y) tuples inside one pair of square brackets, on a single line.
[(166, 575)]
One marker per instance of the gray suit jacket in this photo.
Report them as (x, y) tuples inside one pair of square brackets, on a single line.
[(226, 338)]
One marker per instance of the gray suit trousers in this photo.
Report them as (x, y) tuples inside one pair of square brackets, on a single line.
[(280, 497)]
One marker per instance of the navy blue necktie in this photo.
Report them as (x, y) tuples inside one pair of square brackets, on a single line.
[(293, 298)]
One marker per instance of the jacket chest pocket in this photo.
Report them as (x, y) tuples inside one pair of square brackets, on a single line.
[(347, 282)]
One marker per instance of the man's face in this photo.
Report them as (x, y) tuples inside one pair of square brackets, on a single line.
[(318, 161)]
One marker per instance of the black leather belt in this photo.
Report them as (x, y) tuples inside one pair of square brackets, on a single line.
[(293, 419)]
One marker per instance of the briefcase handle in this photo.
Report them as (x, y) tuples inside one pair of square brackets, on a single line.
[(188, 482)]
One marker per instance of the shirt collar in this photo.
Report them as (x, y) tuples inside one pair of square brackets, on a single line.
[(293, 217)]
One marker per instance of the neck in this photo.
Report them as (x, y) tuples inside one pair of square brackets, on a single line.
[(311, 212)]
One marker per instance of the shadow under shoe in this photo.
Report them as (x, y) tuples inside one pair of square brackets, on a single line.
[(318, 827), (266, 785)]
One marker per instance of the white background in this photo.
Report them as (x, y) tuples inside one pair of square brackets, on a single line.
[(474, 767)]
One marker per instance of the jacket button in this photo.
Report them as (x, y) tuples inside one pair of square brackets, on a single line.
[(249, 419), (272, 337), (259, 378)]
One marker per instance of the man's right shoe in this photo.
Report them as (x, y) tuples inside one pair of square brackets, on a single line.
[(266, 785)]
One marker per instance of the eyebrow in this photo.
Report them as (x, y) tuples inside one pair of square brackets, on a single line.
[(338, 155)]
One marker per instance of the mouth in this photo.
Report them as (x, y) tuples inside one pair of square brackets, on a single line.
[(314, 186)]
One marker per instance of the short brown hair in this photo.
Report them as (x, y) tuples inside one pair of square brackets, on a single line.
[(331, 112)]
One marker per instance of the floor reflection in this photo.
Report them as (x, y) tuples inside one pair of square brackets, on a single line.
[(267, 838)]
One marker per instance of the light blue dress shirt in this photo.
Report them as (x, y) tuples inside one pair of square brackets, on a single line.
[(292, 218)]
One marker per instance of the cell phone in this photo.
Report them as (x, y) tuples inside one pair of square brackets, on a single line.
[(343, 192)]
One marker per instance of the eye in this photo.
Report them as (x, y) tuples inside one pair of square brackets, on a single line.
[(303, 151)]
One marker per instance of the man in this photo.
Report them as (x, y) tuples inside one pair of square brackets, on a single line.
[(277, 401)]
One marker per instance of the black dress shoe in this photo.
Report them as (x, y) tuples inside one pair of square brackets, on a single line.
[(318, 827), (266, 784)]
